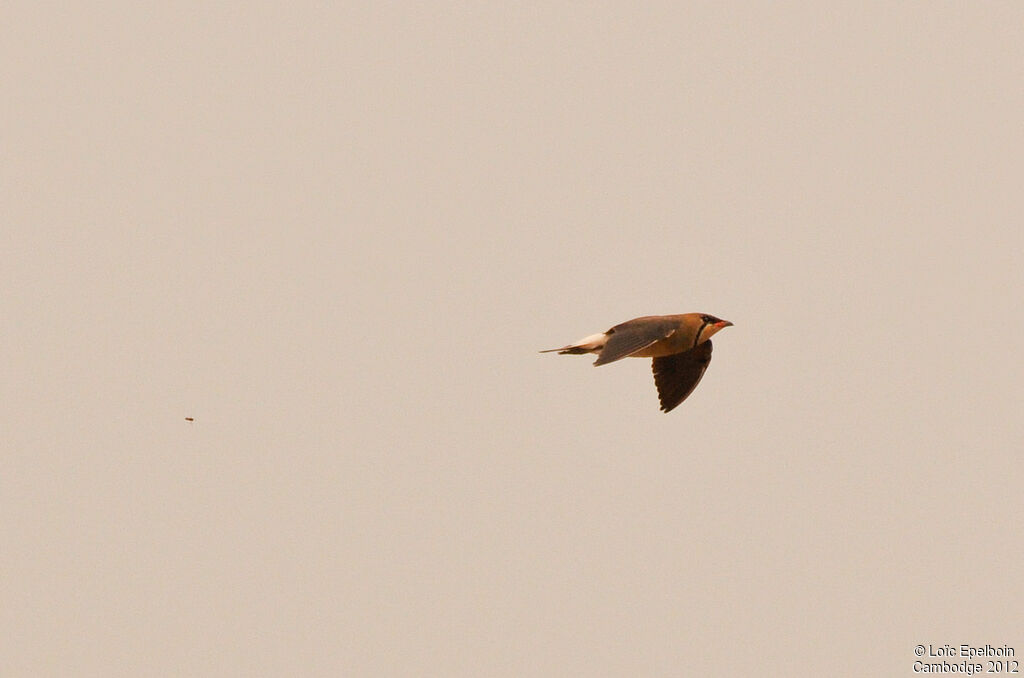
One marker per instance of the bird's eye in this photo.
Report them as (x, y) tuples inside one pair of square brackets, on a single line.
[(706, 318)]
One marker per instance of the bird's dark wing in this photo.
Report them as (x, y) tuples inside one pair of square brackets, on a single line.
[(632, 336), (677, 375)]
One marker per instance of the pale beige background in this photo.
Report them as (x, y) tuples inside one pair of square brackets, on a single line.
[(335, 234)]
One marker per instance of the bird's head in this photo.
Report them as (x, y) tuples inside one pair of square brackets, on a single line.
[(711, 325)]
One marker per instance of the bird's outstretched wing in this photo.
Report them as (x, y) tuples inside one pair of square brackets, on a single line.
[(677, 375), (632, 336)]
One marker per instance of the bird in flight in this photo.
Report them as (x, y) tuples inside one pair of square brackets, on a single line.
[(679, 344)]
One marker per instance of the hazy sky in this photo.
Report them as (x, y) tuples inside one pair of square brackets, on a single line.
[(336, 235)]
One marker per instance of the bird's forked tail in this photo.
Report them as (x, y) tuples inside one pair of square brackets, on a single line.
[(592, 344)]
